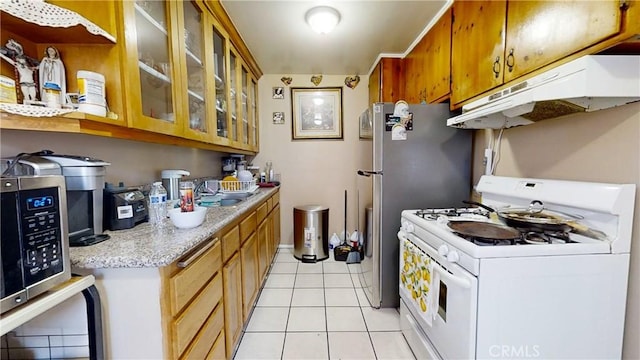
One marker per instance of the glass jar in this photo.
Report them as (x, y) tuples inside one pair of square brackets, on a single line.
[(186, 196)]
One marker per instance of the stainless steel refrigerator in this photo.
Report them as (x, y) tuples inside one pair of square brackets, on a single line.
[(413, 164)]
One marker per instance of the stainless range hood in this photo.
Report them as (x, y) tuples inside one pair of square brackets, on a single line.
[(589, 83)]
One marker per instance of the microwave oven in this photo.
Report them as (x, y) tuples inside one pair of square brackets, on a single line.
[(34, 248)]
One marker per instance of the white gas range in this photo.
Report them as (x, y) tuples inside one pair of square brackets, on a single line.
[(477, 297)]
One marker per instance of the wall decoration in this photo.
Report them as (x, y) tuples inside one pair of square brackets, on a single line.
[(316, 113), (278, 117), (278, 92), (316, 79), (286, 80), (352, 81), (366, 125)]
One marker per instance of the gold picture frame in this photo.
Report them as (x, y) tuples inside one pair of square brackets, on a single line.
[(316, 113)]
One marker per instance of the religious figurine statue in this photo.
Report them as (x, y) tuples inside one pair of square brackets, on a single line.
[(52, 74), (25, 68)]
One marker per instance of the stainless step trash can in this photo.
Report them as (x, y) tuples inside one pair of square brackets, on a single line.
[(311, 233)]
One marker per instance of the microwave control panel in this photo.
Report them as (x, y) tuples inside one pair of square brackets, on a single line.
[(41, 233)]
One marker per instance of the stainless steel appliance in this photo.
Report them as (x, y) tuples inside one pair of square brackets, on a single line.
[(171, 182), (429, 164), (34, 254), (84, 179), (472, 287)]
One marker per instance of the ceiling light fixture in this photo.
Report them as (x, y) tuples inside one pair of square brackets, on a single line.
[(322, 19)]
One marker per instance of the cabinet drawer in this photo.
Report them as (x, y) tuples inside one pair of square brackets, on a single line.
[(230, 243), (269, 204), (262, 212), (186, 326), (217, 351), (276, 199), (201, 345), (189, 281), (247, 227)]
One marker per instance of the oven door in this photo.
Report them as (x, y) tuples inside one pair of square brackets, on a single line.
[(441, 296)]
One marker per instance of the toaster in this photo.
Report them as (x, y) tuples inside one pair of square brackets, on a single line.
[(124, 208)]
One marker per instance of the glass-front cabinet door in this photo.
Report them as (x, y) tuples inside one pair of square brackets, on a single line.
[(152, 75), (233, 92), (253, 114), (220, 77), (244, 101), (197, 123)]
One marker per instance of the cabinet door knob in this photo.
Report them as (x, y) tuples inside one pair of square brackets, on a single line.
[(496, 67), (511, 60)]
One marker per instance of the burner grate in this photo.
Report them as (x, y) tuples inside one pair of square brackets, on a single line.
[(434, 214)]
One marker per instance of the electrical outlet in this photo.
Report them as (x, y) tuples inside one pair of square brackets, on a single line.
[(488, 161)]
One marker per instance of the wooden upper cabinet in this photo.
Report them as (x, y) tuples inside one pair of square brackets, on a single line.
[(386, 82), (197, 88), (540, 32), (428, 65), (495, 42), (152, 51), (478, 38)]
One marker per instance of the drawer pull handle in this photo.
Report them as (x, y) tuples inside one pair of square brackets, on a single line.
[(194, 256)]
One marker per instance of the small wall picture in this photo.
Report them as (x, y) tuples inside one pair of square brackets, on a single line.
[(278, 92), (278, 117)]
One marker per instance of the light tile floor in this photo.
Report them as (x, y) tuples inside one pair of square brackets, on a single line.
[(319, 311)]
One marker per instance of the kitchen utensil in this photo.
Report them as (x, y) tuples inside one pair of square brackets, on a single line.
[(535, 217), (484, 230)]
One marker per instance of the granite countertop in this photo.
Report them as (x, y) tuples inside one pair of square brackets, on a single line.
[(144, 246)]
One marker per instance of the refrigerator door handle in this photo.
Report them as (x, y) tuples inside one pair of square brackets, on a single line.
[(368, 173)]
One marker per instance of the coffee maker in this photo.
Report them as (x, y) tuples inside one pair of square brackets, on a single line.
[(84, 179)]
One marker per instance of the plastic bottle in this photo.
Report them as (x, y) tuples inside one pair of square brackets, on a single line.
[(157, 204)]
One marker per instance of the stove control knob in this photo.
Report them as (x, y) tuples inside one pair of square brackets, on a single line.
[(410, 228), (443, 250), (453, 256)]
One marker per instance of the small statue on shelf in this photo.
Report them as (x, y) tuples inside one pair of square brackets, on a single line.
[(52, 74), (25, 68)]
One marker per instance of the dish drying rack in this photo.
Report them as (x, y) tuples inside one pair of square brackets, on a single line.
[(237, 186)]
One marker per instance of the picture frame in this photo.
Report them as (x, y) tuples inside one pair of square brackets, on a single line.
[(366, 125), (316, 113), (278, 117), (278, 92)]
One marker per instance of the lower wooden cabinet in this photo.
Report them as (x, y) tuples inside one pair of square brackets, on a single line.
[(264, 251), (233, 310), (193, 305), (249, 260)]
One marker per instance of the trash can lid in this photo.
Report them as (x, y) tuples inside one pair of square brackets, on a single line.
[(311, 208)]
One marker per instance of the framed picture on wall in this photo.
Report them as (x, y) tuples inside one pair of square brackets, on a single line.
[(278, 117), (366, 125), (316, 113), (278, 92)]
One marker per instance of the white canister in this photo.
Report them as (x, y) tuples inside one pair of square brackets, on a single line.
[(91, 94), (7, 90)]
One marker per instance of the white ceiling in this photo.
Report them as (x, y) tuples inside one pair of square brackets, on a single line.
[(282, 43)]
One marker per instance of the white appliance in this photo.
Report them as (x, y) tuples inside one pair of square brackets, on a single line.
[(466, 298), (589, 83)]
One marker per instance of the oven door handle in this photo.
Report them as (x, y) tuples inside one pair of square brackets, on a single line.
[(457, 280)]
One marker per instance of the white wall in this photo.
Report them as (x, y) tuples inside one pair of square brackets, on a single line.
[(603, 146), (312, 171)]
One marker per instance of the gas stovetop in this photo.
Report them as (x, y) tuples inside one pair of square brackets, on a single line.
[(481, 218), (605, 207)]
